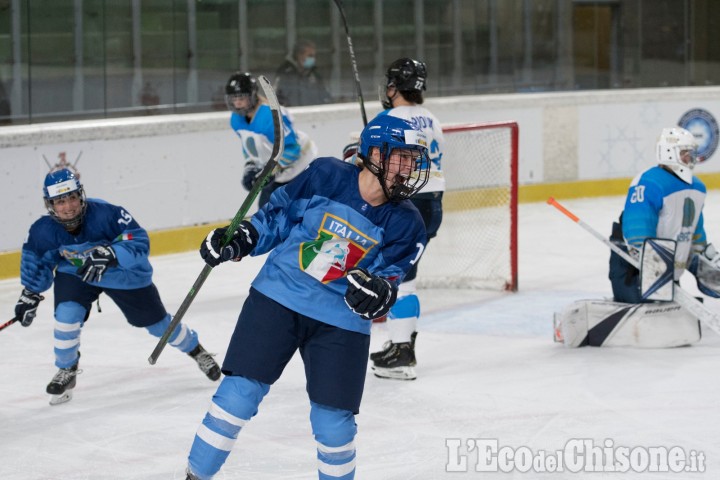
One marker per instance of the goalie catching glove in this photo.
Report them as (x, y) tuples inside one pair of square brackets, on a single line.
[(368, 295), (706, 268), (241, 244), (26, 307), (100, 259)]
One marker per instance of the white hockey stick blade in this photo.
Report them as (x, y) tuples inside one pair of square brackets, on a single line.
[(61, 398), (657, 268)]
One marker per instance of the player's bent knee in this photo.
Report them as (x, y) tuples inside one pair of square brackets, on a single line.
[(405, 307), (332, 427), (70, 313), (240, 396)]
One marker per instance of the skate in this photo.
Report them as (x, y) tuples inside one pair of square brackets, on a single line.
[(61, 385), (387, 346), (190, 475), (205, 362), (397, 362)]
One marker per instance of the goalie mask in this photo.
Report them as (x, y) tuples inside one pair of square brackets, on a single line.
[(64, 186), (239, 86), (407, 76), (677, 150), (403, 167)]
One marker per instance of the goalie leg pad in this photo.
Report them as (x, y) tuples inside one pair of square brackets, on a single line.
[(612, 324)]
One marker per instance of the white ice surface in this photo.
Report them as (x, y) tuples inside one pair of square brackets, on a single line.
[(487, 368)]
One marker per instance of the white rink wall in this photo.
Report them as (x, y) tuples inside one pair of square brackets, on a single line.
[(182, 170)]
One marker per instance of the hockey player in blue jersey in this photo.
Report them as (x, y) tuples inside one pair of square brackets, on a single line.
[(666, 202), (86, 247), (251, 120), (403, 97), (340, 238)]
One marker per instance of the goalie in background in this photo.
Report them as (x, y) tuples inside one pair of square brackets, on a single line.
[(662, 226), (251, 120), (83, 248)]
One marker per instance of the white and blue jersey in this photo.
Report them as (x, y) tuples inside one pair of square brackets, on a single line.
[(258, 136), (318, 227), (660, 205), (49, 246), (422, 119)]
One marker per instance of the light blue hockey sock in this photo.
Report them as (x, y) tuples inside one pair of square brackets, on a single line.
[(69, 318), (235, 402), (183, 338), (334, 431)]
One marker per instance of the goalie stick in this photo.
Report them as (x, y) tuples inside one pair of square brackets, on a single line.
[(8, 323), (353, 61), (278, 147), (687, 301)]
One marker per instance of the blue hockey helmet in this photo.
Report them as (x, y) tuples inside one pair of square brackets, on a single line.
[(241, 85), (60, 184), (388, 133)]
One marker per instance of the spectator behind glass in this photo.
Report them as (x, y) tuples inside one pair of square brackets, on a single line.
[(297, 81)]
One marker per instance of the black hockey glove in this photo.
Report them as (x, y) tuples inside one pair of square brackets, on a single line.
[(26, 307), (241, 244), (368, 295), (99, 260), (250, 176)]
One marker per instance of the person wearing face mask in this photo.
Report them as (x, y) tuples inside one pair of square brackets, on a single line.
[(297, 81)]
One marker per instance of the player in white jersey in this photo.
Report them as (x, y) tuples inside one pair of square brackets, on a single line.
[(664, 202), (402, 97)]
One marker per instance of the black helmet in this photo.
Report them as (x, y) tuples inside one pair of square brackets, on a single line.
[(407, 75), (239, 85)]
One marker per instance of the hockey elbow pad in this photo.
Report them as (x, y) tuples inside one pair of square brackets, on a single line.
[(368, 295)]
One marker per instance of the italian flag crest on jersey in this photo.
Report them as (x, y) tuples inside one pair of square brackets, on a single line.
[(338, 248)]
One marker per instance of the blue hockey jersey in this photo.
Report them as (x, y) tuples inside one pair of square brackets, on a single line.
[(49, 245), (258, 136), (318, 227), (661, 205)]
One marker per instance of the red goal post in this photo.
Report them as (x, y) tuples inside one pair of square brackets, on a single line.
[(476, 246)]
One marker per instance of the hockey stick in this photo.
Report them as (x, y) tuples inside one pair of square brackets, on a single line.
[(8, 323), (683, 298), (353, 61), (278, 147)]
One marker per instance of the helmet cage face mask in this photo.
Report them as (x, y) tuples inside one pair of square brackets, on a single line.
[(677, 150), (59, 185), (241, 85), (395, 140)]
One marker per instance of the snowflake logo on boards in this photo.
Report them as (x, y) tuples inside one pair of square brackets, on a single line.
[(649, 115), (622, 154), (64, 164)]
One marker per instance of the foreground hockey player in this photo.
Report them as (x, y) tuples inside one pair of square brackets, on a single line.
[(664, 206), (402, 97), (340, 238), (251, 120), (86, 247)]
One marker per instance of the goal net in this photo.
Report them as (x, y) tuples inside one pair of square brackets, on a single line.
[(476, 246)]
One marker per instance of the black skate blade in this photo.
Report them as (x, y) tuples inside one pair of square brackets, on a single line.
[(61, 398)]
